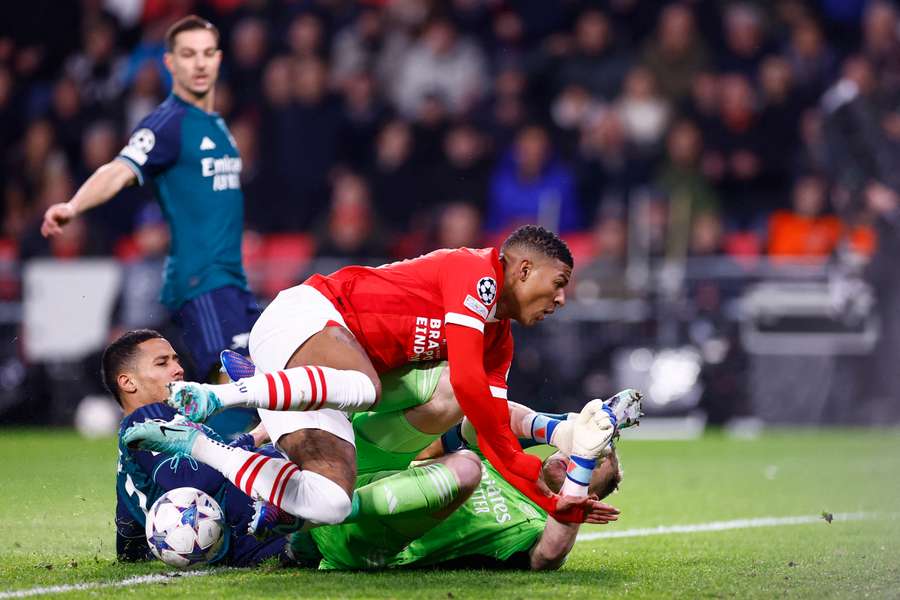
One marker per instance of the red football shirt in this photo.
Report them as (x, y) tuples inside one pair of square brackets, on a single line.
[(400, 313)]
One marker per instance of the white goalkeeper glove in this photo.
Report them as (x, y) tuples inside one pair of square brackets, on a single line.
[(587, 434)]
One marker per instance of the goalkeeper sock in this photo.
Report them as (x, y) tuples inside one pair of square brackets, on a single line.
[(304, 494), (300, 388), (420, 490), (578, 476)]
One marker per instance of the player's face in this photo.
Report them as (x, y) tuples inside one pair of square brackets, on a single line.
[(156, 365), (542, 289), (194, 62)]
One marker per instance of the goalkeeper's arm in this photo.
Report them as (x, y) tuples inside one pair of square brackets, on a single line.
[(557, 539)]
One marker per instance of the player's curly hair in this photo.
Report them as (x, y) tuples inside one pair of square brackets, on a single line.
[(542, 240), (119, 354)]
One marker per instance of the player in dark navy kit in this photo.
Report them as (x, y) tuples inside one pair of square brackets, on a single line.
[(136, 369), (186, 153)]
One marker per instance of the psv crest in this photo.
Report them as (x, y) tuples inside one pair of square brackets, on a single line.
[(487, 290)]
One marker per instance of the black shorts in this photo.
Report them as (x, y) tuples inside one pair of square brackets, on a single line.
[(214, 321)]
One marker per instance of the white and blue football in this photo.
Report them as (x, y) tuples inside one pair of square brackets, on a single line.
[(185, 528)]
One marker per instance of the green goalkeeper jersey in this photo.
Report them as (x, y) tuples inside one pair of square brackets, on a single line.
[(496, 526)]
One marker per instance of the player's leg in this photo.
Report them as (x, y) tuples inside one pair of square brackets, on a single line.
[(417, 405), (209, 323), (308, 360), (301, 328), (440, 412), (317, 481), (306, 494), (434, 489), (395, 508)]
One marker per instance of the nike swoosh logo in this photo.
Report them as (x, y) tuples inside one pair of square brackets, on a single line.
[(163, 429)]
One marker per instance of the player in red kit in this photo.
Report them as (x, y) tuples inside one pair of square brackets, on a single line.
[(322, 345)]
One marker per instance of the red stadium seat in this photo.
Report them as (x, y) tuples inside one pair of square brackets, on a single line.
[(582, 246), (126, 249), (743, 245), (9, 278)]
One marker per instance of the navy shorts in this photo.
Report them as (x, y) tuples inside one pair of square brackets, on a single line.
[(211, 322)]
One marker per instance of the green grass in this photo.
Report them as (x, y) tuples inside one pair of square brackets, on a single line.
[(57, 498)]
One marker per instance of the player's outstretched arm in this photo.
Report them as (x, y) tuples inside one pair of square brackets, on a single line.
[(490, 417), (106, 182), (557, 540)]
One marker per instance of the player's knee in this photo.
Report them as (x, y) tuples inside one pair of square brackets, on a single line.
[(334, 511), (443, 404), (319, 500), (466, 467), (324, 454), (376, 383)]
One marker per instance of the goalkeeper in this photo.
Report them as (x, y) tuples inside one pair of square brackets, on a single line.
[(497, 526)]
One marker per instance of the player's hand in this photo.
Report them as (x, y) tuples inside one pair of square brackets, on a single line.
[(593, 511), (260, 435), (55, 218), (592, 430)]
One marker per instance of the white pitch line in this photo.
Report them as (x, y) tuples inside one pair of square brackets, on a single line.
[(96, 585), (584, 537), (724, 525)]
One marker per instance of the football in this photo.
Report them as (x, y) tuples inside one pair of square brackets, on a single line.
[(185, 528)]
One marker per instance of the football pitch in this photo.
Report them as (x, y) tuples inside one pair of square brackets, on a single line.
[(705, 518)]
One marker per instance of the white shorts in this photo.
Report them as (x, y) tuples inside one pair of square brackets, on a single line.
[(295, 315)]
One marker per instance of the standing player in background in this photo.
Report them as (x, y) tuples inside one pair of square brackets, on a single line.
[(185, 151)]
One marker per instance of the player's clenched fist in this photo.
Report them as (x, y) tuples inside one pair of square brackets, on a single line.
[(592, 430), (55, 217)]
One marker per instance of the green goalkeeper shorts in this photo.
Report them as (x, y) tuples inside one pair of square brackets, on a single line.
[(384, 438)]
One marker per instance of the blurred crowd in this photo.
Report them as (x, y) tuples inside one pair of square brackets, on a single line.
[(387, 128)]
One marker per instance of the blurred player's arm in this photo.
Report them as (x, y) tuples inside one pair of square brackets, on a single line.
[(106, 182)]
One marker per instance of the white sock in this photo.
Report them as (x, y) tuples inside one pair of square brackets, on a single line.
[(578, 476), (304, 494), (300, 388)]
